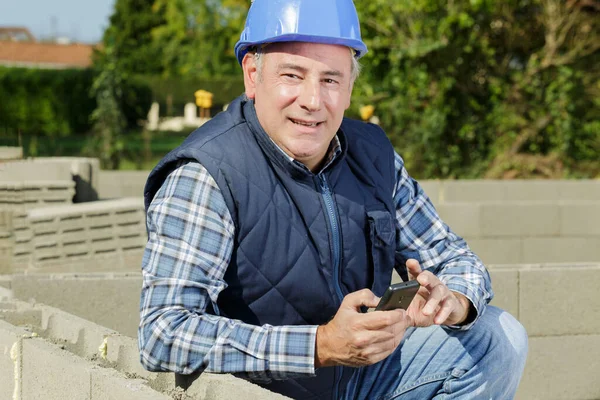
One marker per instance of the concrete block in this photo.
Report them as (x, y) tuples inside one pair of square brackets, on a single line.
[(580, 219), (135, 242), (222, 386), (107, 384), (6, 220), (113, 261), (10, 153), (10, 347), (561, 368), (27, 317), (52, 373), (123, 353), (81, 336), (465, 191), (502, 250), (101, 232), (520, 219), (432, 189), (104, 244), (561, 300), (530, 190), (110, 300), (463, 218), (82, 172), (579, 190), (115, 184), (25, 170), (561, 249), (505, 283)]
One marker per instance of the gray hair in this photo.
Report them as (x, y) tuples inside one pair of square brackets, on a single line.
[(355, 67)]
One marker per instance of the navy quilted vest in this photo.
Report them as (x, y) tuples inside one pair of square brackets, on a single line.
[(292, 226)]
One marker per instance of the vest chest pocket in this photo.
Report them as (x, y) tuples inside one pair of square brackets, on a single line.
[(382, 235)]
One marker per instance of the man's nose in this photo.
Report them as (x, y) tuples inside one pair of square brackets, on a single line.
[(310, 95)]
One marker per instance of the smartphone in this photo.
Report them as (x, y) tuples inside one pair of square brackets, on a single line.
[(398, 295)]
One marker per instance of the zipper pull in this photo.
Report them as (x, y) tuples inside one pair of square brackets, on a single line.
[(324, 185)]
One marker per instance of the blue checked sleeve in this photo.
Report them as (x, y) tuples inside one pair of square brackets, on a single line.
[(425, 237), (189, 247)]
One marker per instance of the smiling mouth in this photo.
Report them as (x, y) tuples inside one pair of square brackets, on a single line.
[(305, 123)]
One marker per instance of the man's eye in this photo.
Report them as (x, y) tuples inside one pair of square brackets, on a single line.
[(329, 81), (291, 76)]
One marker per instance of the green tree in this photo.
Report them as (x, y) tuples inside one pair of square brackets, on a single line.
[(130, 34), (198, 36), (108, 119), (469, 87)]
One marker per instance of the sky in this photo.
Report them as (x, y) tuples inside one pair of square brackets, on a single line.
[(80, 20)]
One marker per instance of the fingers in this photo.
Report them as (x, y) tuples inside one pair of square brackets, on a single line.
[(383, 319), (413, 267), (447, 307), (360, 298)]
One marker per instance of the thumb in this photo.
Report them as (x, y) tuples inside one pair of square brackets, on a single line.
[(414, 268), (360, 298)]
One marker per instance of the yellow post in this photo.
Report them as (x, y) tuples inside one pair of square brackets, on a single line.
[(204, 101)]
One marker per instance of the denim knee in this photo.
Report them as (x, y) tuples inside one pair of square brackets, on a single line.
[(508, 341)]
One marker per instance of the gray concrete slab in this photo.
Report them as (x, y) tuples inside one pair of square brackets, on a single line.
[(501, 250), (432, 189), (106, 384), (580, 219), (560, 249), (520, 219), (115, 184), (530, 190), (579, 190), (110, 300), (50, 373), (472, 191), (81, 336), (562, 368), (463, 218), (217, 387), (561, 300), (10, 153), (10, 347), (505, 284)]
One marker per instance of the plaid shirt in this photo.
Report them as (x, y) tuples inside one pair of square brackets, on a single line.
[(191, 236)]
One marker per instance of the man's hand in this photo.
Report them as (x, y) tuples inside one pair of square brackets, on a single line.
[(355, 339), (434, 302)]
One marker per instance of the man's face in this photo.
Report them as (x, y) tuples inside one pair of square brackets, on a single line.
[(300, 95)]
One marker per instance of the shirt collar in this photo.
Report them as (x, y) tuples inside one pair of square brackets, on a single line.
[(334, 150)]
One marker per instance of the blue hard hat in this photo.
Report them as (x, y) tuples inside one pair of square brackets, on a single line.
[(315, 21)]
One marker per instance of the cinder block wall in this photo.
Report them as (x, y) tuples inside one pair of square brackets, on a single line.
[(102, 236), (557, 304), (34, 183), (504, 222), (52, 355), (84, 172)]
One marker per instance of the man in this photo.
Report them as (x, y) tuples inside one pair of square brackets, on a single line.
[(274, 225)]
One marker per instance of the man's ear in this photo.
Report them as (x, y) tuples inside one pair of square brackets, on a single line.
[(250, 75)]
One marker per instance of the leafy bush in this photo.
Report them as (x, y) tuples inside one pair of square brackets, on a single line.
[(46, 102), (55, 103)]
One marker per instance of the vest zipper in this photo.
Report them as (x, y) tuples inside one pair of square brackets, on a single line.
[(335, 233)]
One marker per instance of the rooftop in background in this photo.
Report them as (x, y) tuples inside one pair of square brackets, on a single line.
[(18, 48), (16, 34)]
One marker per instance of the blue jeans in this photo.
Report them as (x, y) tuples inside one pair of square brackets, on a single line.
[(485, 362)]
